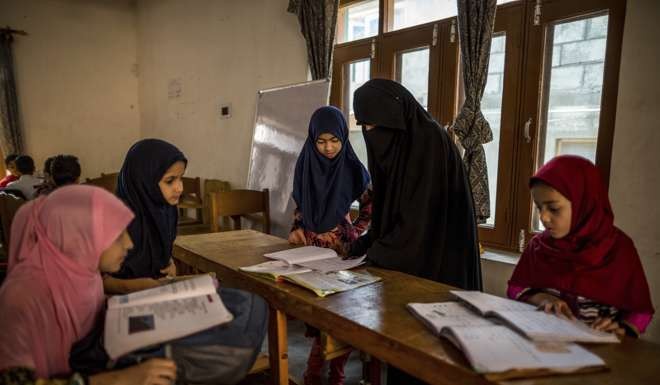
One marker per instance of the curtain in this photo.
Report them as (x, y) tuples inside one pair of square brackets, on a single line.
[(476, 19), (318, 20), (11, 138)]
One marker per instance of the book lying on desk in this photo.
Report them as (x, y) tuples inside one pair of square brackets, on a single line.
[(499, 352), (329, 283), (533, 323), (161, 314)]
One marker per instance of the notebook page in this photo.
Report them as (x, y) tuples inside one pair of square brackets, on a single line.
[(442, 314), (541, 326), (485, 302), (494, 349), (333, 264), (193, 287), (302, 254)]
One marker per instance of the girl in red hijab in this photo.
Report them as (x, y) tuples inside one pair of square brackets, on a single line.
[(581, 266)]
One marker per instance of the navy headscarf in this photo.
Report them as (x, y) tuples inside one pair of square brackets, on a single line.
[(325, 188), (154, 228)]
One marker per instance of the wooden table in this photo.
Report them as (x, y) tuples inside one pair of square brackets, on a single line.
[(374, 319)]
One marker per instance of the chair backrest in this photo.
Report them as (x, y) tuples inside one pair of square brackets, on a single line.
[(212, 186), (9, 205), (192, 189), (237, 204), (106, 181)]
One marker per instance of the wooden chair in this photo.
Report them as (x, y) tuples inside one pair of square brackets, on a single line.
[(106, 181), (210, 186), (191, 199), (9, 205), (237, 204)]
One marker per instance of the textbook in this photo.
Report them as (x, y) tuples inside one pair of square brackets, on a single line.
[(535, 324), (161, 314), (302, 260), (499, 352), (329, 283), (315, 258)]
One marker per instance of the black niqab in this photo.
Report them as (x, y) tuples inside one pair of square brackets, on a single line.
[(423, 218)]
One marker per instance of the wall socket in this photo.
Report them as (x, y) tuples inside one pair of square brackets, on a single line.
[(225, 111)]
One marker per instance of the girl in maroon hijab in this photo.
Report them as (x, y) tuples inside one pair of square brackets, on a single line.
[(581, 266)]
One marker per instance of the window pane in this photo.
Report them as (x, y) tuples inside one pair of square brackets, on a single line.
[(357, 73), (572, 97), (491, 107), (408, 13), (413, 73), (357, 21)]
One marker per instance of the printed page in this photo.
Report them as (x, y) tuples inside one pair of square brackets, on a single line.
[(333, 264), (324, 284), (302, 254), (134, 327), (275, 268), (442, 314), (486, 303), (494, 349), (541, 326), (199, 285)]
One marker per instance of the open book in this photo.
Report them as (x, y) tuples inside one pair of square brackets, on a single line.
[(302, 260), (536, 325), (164, 313), (498, 351), (329, 283)]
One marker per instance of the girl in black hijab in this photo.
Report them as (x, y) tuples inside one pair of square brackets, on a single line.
[(423, 220), (150, 184)]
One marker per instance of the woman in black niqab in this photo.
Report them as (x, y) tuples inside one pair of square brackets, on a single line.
[(423, 219)]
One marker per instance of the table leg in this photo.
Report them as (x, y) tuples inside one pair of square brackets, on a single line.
[(277, 347)]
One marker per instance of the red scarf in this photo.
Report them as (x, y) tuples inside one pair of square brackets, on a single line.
[(595, 260)]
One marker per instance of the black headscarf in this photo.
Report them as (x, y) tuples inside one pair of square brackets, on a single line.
[(154, 228), (423, 219), (325, 188)]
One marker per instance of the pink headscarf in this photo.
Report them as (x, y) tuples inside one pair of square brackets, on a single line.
[(54, 291)]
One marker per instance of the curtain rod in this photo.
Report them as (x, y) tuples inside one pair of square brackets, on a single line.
[(14, 31)]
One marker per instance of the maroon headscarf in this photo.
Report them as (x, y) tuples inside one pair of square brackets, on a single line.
[(595, 260)]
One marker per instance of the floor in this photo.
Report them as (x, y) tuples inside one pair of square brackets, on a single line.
[(298, 351)]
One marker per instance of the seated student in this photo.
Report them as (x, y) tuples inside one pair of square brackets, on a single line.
[(47, 185), (66, 240), (27, 183), (423, 220), (10, 165), (54, 285), (149, 182), (329, 177), (581, 266)]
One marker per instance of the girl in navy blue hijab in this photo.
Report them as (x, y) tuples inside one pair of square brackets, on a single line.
[(329, 177), (150, 184)]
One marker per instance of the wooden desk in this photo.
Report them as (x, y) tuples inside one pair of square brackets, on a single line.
[(374, 319)]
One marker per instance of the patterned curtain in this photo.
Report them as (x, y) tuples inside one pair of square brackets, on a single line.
[(11, 138), (476, 19), (318, 19)]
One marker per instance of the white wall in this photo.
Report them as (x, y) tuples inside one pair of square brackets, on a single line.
[(213, 52), (76, 78), (635, 174)]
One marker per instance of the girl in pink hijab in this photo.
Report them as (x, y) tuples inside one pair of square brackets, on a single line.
[(54, 292)]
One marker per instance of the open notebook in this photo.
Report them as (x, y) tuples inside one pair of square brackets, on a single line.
[(302, 260), (536, 325), (498, 351), (164, 313)]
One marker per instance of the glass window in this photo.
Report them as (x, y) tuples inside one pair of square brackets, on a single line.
[(357, 21), (357, 73), (413, 73), (491, 107), (572, 97), (408, 13)]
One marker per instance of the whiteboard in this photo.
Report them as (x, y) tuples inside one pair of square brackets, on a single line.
[(280, 130)]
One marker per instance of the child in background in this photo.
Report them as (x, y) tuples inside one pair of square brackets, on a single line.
[(581, 266)]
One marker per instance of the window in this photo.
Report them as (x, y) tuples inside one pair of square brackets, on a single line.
[(551, 85), (356, 21)]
